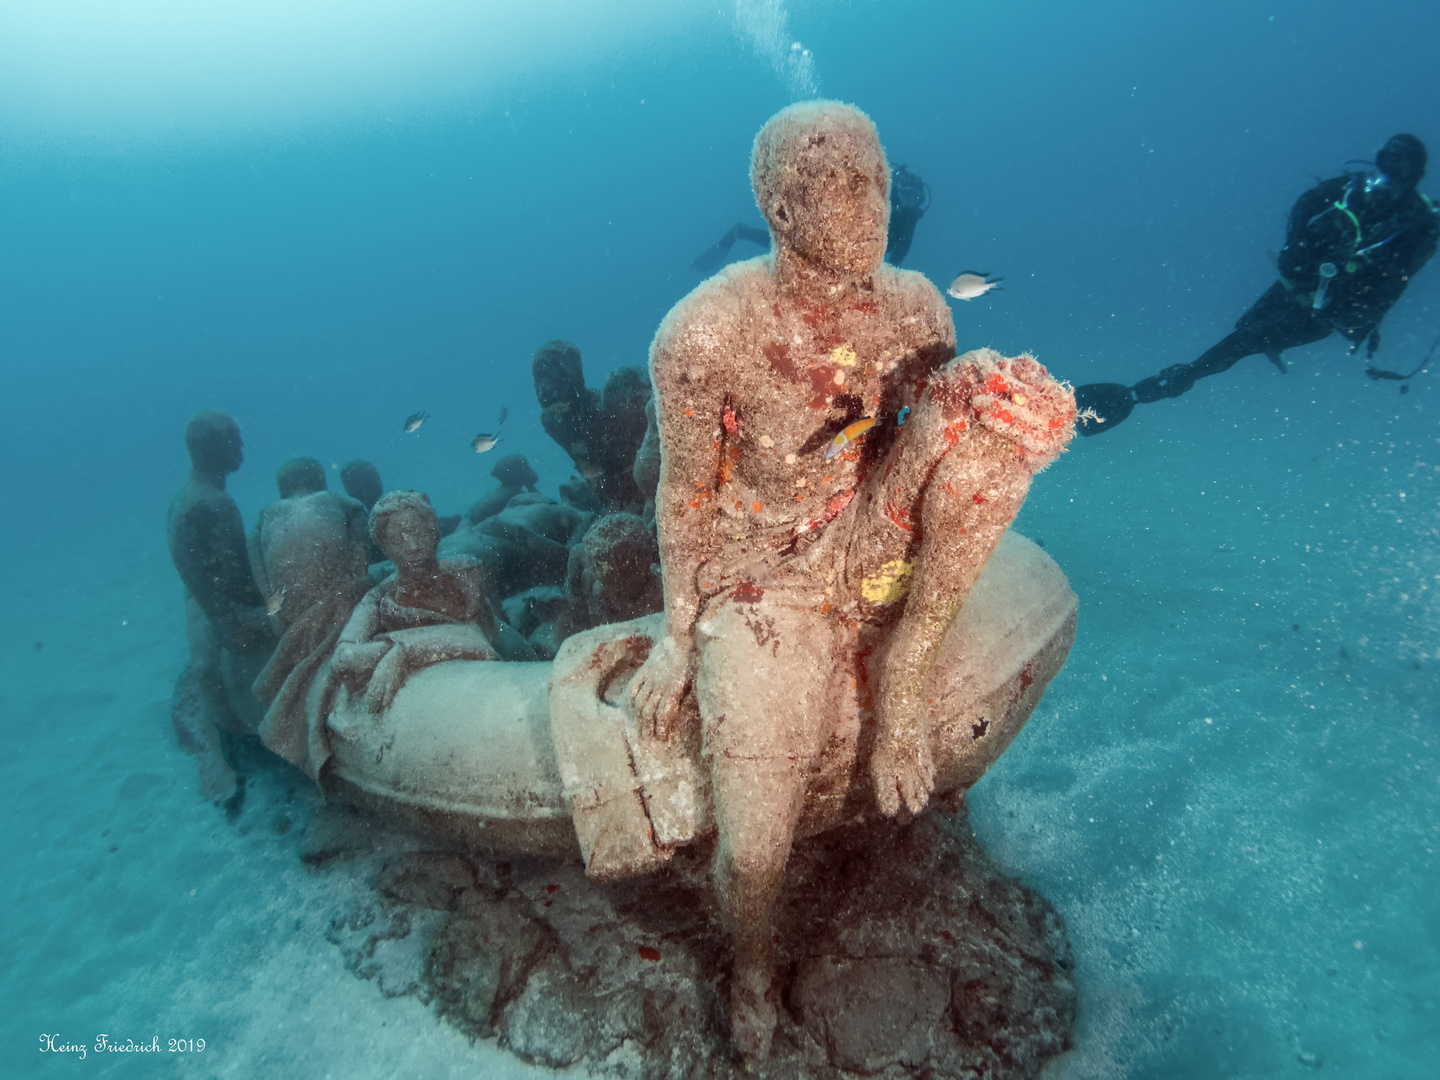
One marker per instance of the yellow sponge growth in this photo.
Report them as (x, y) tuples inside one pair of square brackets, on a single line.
[(890, 584)]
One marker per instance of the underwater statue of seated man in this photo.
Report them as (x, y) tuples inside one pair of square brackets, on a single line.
[(832, 482), (429, 611)]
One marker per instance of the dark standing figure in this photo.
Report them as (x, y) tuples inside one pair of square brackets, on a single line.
[(1353, 244), (909, 199), (228, 627)]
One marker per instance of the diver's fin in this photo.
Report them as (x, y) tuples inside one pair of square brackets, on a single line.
[(1274, 358), (714, 256), (1100, 406)]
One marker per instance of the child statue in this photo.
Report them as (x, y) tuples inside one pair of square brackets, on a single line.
[(429, 611)]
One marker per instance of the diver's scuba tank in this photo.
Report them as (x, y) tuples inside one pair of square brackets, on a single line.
[(1327, 275)]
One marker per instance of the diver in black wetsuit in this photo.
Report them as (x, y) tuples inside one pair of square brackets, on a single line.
[(1353, 244), (909, 199)]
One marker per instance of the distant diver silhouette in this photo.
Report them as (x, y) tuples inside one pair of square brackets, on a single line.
[(713, 257), (909, 199)]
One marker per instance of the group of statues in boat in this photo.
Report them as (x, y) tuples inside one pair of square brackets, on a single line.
[(784, 600)]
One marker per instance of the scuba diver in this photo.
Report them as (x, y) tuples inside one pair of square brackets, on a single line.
[(909, 199), (1353, 244)]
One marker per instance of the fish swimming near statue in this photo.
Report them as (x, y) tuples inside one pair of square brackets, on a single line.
[(973, 284), (414, 420), (484, 442), (851, 433)]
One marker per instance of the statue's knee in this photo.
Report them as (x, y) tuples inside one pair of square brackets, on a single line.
[(747, 879)]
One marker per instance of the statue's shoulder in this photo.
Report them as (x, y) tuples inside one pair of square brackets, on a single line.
[(910, 294), (199, 506), (704, 319)]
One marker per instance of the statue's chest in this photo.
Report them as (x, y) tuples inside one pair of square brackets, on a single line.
[(813, 367), (442, 594)]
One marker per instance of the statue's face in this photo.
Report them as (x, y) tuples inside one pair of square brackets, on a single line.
[(558, 377), (234, 452), (836, 213), (411, 539)]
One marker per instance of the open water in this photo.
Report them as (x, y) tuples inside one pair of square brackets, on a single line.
[(322, 217)]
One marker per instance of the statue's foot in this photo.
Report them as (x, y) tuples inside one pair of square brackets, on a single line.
[(752, 1015), (218, 782)]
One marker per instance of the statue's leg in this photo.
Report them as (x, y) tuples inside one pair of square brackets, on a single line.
[(200, 736), (764, 685), (926, 521)]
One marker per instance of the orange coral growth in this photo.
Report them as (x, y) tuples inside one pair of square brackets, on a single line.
[(899, 516), (732, 425)]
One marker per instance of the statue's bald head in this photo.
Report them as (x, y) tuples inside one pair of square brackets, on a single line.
[(213, 439), (821, 180)]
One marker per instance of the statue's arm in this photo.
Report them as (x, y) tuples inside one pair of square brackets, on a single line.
[(356, 653), (217, 572), (689, 399), (478, 608)]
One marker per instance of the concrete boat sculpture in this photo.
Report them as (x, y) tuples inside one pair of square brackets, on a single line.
[(848, 630)]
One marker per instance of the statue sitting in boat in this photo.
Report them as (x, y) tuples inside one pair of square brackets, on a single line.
[(848, 630)]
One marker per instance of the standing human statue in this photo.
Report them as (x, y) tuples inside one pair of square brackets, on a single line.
[(227, 625), (811, 567), (1353, 244)]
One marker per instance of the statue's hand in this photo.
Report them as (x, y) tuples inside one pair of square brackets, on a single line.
[(353, 662), (659, 685), (902, 771)]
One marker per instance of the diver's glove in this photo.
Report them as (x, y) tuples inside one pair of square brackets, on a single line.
[(1170, 383)]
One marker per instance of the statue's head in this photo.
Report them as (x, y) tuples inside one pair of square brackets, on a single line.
[(362, 483), (626, 392), (404, 527), (558, 374), (821, 180), (300, 475), (213, 439), (514, 471)]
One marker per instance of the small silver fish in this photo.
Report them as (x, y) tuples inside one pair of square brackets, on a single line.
[(972, 284), (482, 442), (275, 603), (414, 420)]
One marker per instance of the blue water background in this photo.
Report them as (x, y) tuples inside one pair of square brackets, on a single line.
[(1232, 792)]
